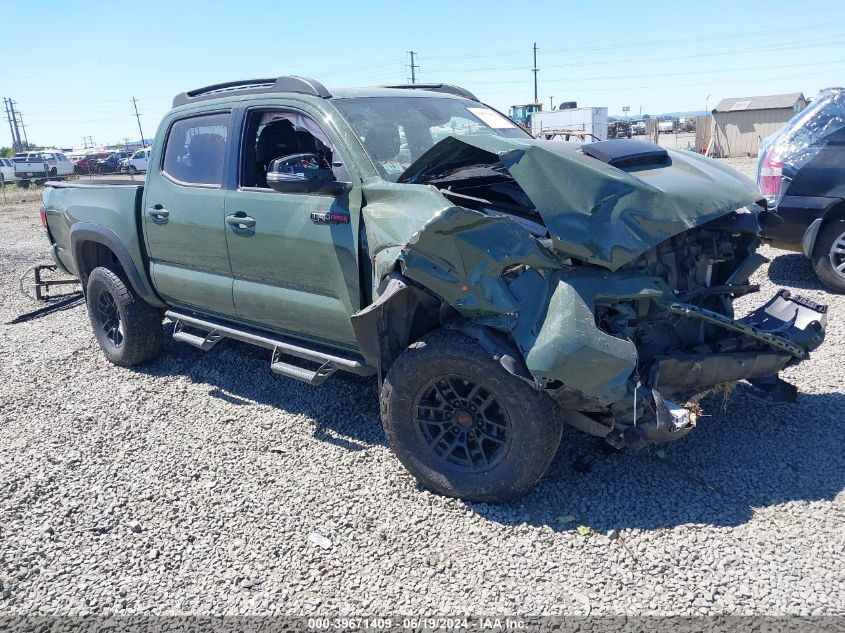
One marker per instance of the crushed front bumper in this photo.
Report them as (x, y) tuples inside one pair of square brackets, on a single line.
[(790, 325)]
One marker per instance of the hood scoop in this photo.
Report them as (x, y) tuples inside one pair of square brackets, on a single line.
[(622, 153)]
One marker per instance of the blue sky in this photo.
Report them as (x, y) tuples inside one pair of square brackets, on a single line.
[(658, 56)]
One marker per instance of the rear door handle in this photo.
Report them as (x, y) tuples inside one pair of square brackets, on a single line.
[(158, 213), (240, 220)]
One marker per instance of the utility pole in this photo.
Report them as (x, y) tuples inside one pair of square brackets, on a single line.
[(12, 117), (23, 127), (9, 119), (551, 103), (534, 70), (138, 116), (414, 67)]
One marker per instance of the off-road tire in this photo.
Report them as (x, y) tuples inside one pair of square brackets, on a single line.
[(534, 422), (140, 324), (829, 234)]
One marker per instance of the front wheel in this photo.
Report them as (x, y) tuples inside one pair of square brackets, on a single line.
[(829, 255), (126, 327), (464, 426), (132, 171)]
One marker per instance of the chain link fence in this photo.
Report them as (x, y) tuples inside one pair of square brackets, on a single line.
[(90, 168)]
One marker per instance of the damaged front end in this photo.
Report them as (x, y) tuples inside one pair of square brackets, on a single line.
[(606, 280), (687, 340)]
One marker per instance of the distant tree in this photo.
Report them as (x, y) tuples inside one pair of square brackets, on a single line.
[(6, 152)]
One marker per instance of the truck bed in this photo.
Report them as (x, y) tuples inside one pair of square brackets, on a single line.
[(106, 212)]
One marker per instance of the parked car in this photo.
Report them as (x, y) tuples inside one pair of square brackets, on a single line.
[(111, 163), (88, 163), (7, 171), (494, 301), (137, 163), (801, 170), (638, 128)]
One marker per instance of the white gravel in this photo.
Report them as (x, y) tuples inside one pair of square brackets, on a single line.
[(204, 484)]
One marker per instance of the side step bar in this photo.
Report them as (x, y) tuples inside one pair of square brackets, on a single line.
[(204, 343), (312, 377), (330, 361)]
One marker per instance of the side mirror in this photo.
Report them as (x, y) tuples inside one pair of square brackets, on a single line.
[(304, 173)]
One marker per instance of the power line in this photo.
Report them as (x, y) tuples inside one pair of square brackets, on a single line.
[(569, 78), (768, 48), (356, 69), (651, 43), (627, 89)]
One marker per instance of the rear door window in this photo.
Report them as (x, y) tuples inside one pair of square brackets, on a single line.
[(196, 149)]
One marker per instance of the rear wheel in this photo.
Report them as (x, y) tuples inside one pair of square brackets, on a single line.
[(829, 255), (127, 328), (462, 425)]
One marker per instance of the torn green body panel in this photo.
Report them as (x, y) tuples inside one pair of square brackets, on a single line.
[(596, 212), (457, 253), (461, 255), (565, 344), (392, 215)]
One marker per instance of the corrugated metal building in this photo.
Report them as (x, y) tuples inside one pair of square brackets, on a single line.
[(741, 123)]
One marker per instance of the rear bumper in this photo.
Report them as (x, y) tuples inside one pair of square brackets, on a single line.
[(793, 216)]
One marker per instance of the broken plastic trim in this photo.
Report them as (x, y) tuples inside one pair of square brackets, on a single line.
[(782, 327)]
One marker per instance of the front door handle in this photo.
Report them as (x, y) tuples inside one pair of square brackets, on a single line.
[(240, 220), (158, 213)]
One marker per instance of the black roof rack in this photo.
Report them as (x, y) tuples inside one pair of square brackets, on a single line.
[(447, 88), (302, 85)]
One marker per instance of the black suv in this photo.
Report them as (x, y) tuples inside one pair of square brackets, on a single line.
[(801, 171)]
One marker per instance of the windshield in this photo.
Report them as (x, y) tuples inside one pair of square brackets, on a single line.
[(395, 131)]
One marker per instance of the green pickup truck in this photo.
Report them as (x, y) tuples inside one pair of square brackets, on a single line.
[(500, 287)]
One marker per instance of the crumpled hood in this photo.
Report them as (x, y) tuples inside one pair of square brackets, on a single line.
[(593, 211)]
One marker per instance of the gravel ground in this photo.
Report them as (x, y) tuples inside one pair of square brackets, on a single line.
[(204, 484)]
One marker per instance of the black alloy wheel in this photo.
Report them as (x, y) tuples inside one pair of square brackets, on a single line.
[(463, 423)]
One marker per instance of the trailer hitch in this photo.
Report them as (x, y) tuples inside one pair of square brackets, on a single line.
[(41, 287)]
